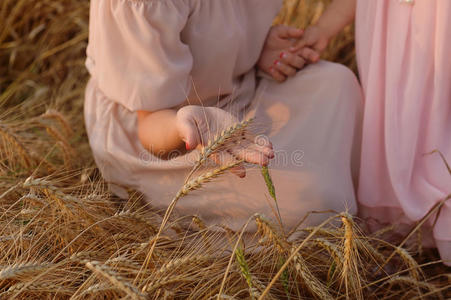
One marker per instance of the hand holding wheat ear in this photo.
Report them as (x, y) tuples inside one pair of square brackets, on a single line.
[(199, 126)]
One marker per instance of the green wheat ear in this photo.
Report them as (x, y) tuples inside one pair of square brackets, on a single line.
[(271, 188), (284, 277), (244, 267)]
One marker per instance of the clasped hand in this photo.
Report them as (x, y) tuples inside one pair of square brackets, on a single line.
[(287, 50)]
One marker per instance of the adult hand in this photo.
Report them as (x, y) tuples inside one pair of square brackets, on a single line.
[(312, 44), (198, 125)]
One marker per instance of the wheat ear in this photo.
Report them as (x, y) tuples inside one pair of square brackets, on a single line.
[(116, 280), (18, 270), (175, 263), (414, 269), (316, 287), (38, 287), (350, 268), (18, 147), (245, 272), (265, 229), (58, 117), (217, 142), (271, 191)]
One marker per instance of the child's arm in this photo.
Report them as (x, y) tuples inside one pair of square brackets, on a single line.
[(339, 14)]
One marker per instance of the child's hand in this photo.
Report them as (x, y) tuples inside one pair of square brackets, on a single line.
[(197, 125), (275, 58), (315, 38)]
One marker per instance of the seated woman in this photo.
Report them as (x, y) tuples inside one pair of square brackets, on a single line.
[(166, 73)]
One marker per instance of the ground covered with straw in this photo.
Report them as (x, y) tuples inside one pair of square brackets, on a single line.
[(62, 235)]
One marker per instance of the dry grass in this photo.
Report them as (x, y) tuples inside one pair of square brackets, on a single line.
[(63, 236)]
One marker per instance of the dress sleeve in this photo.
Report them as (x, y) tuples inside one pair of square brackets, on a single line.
[(139, 58)]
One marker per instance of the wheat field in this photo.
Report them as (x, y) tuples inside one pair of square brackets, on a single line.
[(63, 236)]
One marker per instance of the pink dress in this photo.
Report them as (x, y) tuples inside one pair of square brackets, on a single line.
[(155, 54), (404, 56)]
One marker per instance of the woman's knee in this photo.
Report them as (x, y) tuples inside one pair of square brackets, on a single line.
[(335, 73)]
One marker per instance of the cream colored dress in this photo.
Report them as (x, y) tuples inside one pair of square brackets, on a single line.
[(157, 54)]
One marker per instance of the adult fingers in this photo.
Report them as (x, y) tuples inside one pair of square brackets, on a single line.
[(251, 154), (293, 60), (263, 144), (293, 33), (189, 133), (277, 75), (259, 143), (287, 32), (285, 69), (224, 158), (310, 55), (259, 152)]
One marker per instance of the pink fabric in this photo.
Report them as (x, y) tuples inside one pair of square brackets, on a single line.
[(405, 66)]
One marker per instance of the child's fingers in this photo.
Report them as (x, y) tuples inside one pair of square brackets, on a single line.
[(277, 75), (293, 60), (284, 68), (295, 33), (310, 55)]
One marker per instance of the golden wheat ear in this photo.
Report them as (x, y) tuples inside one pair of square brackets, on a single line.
[(217, 142), (351, 259)]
